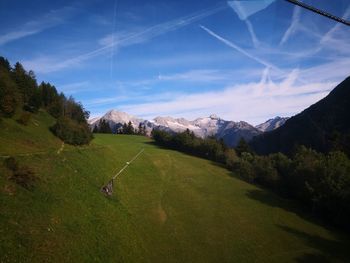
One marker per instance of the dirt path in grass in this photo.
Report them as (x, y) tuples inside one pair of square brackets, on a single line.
[(58, 152), (60, 149)]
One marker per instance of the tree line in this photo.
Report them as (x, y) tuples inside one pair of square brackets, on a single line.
[(320, 182), (20, 93), (127, 128)]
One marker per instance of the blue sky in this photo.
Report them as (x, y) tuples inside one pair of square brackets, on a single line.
[(181, 58)]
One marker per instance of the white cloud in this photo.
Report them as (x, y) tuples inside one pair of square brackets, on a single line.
[(240, 103), (199, 76), (253, 102)]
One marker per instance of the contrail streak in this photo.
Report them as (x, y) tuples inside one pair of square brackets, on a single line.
[(113, 35), (293, 26), (242, 51), (149, 33)]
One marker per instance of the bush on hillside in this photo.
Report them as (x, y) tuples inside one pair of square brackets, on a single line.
[(230, 158), (25, 177), (11, 163), (21, 175), (71, 131), (24, 118)]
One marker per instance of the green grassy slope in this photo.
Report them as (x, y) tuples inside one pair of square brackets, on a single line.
[(167, 207)]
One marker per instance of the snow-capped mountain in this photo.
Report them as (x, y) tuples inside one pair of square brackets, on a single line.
[(271, 124), (116, 119), (231, 132)]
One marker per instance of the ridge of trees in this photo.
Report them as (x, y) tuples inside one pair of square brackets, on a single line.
[(127, 128), (20, 92), (319, 182)]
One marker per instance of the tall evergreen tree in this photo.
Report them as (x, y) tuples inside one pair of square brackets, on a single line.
[(242, 147), (130, 128)]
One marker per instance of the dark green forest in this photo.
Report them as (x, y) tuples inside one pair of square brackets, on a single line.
[(21, 96)]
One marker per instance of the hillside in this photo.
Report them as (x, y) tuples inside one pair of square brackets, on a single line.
[(324, 126), (167, 207)]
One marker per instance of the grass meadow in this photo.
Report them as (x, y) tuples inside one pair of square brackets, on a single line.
[(166, 207)]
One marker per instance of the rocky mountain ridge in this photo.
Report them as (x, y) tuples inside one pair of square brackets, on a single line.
[(231, 132)]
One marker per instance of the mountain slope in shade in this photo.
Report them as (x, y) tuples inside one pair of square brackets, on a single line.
[(272, 124), (324, 126)]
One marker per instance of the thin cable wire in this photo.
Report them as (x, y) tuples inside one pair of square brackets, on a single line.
[(127, 164), (320, 12)]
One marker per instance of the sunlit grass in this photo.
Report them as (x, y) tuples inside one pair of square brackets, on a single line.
[(167, 207)]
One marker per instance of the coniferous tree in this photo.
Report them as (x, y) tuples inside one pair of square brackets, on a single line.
[(130, 128), (9, 95), (19, 89), (124, 129), (104, 127), (242, 147), (141, 129), (95, 130)]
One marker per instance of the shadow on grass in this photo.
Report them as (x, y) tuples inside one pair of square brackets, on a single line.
[(330, 250), (271, 199), (218, 164)]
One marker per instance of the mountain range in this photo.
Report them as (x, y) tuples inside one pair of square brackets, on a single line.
[(231, 132)]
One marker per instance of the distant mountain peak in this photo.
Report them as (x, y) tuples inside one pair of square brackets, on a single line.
[(272, 124), (213, 125), (214, 117)]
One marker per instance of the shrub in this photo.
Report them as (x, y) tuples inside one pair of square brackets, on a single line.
[(21, 175), (230, 158), (24, 177), (11, 164), (245, 170), (72, 132), (24, 118), (265, 173)]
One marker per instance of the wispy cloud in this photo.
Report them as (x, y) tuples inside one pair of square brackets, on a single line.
[(131, 38), (199, 76), (293, 26), (73, 88), (51, 19), (264, 99)]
